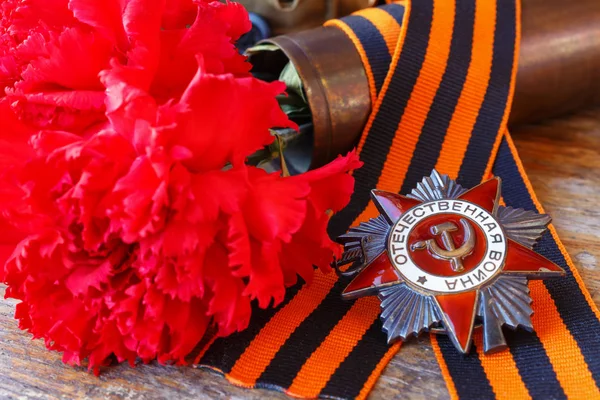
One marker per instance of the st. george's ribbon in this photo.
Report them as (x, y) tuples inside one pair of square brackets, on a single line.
[(441, 75)]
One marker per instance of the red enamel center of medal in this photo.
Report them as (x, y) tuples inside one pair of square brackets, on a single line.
[(425, 231)]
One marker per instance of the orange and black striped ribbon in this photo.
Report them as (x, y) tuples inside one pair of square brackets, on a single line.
[(441, 75)]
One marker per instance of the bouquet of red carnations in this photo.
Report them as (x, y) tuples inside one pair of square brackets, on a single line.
[(130, 220)]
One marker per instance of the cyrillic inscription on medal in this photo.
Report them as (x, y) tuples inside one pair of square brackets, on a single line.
[(447, 246)]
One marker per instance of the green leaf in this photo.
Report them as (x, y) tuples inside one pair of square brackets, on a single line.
[(262, 47), (292, 80)]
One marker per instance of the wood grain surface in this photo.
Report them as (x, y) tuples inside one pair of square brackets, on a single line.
[(562, 158)]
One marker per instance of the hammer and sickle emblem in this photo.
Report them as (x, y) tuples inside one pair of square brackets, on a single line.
[(450, 253)]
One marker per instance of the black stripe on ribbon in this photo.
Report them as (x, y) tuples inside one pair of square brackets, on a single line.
[(570, 301), (466, 371), (374, 45), (495, 102), (534, 365), (352, 374), (379, 140), (446, 98)]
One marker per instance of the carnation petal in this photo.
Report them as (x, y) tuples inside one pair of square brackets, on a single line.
[(266, 279), (238, 245), (275, 207), (65, 67), (215, 192), (104, 16), (185, 339), (88, 276), (331, 185), (231, 118), (229, 307)]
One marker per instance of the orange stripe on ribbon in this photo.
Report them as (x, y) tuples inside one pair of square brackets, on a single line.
[(476, 84), (335, 348), (385, 24), (272, 337), (551, 228), (562, 349), (274, 334), (506, 381), (409, 129), (511, 94), (444, 368)]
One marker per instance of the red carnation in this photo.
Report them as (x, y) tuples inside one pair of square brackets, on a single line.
[(128, 235)]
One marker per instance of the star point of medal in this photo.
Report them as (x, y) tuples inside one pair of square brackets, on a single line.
[(520, 259), (380, 272), (458, 314), (486, 195), (392, 205)]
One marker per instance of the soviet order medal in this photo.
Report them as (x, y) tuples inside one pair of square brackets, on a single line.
[(445, 259)]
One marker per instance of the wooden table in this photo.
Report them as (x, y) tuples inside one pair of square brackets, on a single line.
[(562, 158)]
